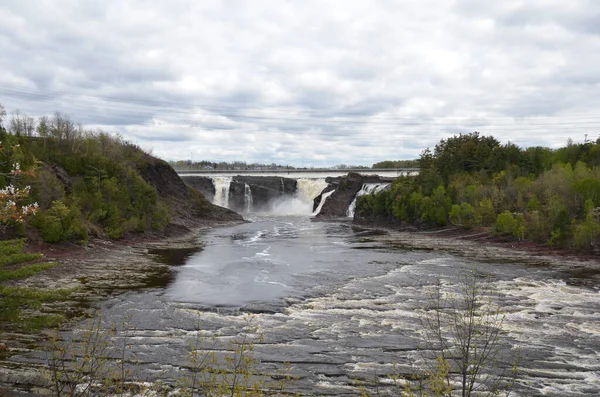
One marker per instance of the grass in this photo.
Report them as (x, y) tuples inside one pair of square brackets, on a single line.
[(11, 252), (20, 306), (25, 271)]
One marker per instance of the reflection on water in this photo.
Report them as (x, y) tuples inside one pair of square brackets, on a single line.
[(175, 256), (272, 258)]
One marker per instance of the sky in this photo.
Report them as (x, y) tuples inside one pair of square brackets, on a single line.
[(303, 82)]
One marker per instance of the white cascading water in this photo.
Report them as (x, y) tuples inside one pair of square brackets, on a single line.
[(222, 184), (367, 188), (300, 203), (324, 198), (248, 202)]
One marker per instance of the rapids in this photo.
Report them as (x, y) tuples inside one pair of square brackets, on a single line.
[(339, 306)]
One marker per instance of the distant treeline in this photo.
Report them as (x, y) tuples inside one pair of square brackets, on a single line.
[(242, 165), (396, 164), (537, 194)]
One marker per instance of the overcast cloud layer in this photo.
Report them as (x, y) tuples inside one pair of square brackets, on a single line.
[(312, 83)]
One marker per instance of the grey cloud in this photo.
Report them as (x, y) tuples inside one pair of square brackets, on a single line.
[(311, 81)]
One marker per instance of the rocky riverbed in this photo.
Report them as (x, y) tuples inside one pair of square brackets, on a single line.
[(329, 330)]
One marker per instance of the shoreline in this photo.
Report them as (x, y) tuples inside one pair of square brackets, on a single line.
[(482, 244), (106, 269)]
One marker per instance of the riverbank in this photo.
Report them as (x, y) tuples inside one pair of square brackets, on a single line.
[(108, 269), (482, 244), (101, 269)]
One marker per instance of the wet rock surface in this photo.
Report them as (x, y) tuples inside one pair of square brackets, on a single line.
[(347, 312), (345, 190), (264, 190)]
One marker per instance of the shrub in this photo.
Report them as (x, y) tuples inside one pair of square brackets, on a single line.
[(506, 223), (61, 223)]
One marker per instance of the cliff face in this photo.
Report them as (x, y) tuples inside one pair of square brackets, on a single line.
[(188, 206), (203, 184), (345, 190), (264, 190)]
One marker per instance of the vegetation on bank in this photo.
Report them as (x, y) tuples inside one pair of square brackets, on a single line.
[(20, 306), (538, 194), (68, 183)]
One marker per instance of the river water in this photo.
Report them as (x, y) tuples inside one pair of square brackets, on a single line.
[(339, 306)]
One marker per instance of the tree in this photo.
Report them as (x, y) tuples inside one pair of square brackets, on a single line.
[(20, 124), (15, 204), (2, 114), (462, 333), (586, 232)]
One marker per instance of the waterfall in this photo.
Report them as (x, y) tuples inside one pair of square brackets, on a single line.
[(247, 198), (367, 188), (309, 189), (301, 203), (324, 197), (222, 184)]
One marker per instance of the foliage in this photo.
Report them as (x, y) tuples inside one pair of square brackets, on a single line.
[(98, 360), (15, 205), (60, 223), (506, 223), (88, 181), (462, 335), (396, 164), (469, 180), (464, 215), (19, 306), (25, 271), (11, 252), (235, 375)]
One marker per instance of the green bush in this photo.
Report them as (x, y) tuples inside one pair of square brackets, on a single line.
[(61, 223), (506, 223), (464, 215)]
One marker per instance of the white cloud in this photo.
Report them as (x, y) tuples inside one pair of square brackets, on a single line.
[(306, 83)]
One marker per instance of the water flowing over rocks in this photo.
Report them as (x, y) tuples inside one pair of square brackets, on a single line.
[(336, 302), (264, 191), (345, 191)]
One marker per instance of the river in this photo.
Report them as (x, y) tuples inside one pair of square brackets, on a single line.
[(339, 306)]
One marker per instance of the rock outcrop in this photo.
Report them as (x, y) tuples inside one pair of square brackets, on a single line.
[(264, 190), (188, 206), (345, 190), (203, 184)]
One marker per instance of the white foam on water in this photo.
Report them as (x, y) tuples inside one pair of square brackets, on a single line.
[(290, 205), (324, 198), (309, 188), (222, 184), (248, 200), (367, 188)]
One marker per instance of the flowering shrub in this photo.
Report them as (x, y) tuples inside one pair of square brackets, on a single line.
[(14, 201)]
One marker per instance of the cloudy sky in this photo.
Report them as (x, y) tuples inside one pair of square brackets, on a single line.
[(306, 83)]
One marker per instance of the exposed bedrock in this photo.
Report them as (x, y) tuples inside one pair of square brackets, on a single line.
[(203, 184), (345, 190), (264, 190), (189, 207)]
